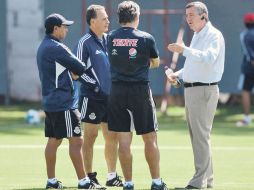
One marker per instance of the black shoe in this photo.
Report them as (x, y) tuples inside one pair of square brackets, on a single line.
[(163, 186), (209, 186), (128, 187), (57, 185), (115, 182), (92, 176), (190, 187), (91, 185)]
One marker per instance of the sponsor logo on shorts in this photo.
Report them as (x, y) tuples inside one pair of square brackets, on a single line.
[(132, 53), (77, 130), (92, 116)]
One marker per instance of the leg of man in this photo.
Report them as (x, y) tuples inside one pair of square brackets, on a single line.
[(246, 83), (125, 155), (50, 155), (201, 103), (246, 102), (152, 154), (75, 152), (111, 145), (90, 134)]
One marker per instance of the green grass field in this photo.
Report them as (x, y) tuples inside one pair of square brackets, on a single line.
[(22, 163)]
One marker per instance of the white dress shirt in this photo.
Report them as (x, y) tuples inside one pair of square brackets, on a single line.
[(205, 57)]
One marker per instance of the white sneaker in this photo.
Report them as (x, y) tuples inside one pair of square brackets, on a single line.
[(242, 123)]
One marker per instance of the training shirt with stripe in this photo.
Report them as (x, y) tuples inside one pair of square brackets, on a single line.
[(92, 50), (247, 43), (55, 61), (130, 51)]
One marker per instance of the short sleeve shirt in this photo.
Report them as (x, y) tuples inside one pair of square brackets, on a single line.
[(129, 52)]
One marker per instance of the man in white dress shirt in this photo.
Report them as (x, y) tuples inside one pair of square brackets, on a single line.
[(203, 69)]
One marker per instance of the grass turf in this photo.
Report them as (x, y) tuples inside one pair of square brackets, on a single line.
[(22, 164)]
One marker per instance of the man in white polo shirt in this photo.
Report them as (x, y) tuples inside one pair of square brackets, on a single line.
[(203, 69)]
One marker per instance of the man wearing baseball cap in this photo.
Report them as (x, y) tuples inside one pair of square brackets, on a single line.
[(56, 20), (56, 65), (246, 82)]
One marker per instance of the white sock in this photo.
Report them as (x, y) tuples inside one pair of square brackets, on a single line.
[(111, 175), (52, 180), (128, 183), (84, 181), (157, 181)]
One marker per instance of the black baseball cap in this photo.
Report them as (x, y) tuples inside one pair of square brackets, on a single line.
[(56, 19)]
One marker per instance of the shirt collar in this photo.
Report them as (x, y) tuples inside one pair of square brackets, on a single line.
[(102, 41), (52, 37), (204, 30), (94, 35), (127, 27)]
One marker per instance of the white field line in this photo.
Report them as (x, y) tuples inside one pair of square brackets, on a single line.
[(135, 147)]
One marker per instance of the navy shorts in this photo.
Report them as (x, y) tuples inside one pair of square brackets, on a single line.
[(62, 124), (131, 106), (93, 111), (246, 82)]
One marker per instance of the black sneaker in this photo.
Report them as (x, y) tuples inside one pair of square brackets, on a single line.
[(91, 185), (163, 186), (128, 187), (115, 182), (57, 185), (92, 177)]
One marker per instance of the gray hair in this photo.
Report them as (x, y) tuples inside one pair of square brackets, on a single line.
[(199, 7)]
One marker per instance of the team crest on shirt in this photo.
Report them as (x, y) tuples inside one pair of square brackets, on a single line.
[(114, 52), (77, 130), (132, 53), (92, 116)]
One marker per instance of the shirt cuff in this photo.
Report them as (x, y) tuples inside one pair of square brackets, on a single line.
[(186, 51), (179, 74)]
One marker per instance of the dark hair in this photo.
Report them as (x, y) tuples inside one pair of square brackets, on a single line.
[(249, 25), (50, 28), (127, 12), (91, 12)]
